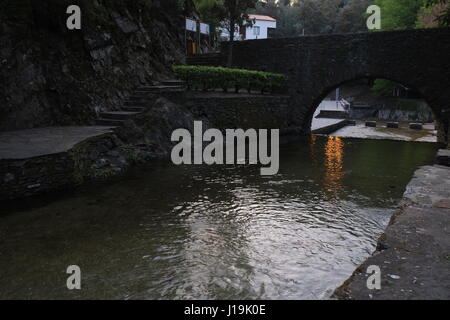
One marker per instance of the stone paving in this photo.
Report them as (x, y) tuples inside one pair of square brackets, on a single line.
[(414, 252), (32, 143)]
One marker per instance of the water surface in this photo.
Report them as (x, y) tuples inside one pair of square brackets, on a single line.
[(213, 232)]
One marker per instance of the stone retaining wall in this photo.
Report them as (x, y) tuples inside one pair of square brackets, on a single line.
[(230, 111), (36, 175)]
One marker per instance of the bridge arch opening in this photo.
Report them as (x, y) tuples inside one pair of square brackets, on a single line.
[(351, 108)]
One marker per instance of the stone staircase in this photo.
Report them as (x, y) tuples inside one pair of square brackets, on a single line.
[(214, 59), (138, 102)]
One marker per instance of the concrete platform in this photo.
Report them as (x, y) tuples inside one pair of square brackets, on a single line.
[(327, 125), (37, 142), (414, 252)]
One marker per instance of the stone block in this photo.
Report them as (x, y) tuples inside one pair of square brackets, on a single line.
[(372, 124), (416, 126), (392, 125)]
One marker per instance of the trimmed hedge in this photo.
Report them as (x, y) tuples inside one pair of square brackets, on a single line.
[(225, 78)]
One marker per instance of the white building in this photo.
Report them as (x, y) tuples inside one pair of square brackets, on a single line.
[(258, 30), (260, 27)]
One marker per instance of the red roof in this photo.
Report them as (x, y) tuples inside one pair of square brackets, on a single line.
[(261, 17)]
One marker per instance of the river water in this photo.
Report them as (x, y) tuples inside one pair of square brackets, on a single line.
[(213, 232)]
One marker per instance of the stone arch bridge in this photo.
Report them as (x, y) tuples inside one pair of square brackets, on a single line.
[(419, 59)]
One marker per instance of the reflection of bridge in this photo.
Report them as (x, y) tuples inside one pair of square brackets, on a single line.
[(317, 64)]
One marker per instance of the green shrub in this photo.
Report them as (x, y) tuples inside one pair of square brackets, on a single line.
[(383, 87), (225, 78)]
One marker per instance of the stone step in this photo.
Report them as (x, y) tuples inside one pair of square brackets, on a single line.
[(131, 103), (118, 115), (173, 83), (109, 122), (142, 93), (139, 102), (209, 59), (160, 88), (137, 97), (133, 109)]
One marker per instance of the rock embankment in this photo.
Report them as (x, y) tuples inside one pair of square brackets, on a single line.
[(50, 76)]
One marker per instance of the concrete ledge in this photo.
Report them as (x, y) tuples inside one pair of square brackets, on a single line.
[(331, 128), (332, 114), (371, 124), (25, 144)]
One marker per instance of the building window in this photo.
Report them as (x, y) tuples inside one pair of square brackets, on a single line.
[(256, 30)]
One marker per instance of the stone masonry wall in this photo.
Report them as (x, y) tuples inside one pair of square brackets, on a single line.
[(230, 111)]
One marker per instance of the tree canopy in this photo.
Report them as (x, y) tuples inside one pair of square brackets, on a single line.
[(297, 17)]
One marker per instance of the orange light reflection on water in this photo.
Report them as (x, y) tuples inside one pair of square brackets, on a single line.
[(334, 163)]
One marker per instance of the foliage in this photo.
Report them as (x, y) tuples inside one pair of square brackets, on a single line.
[(352, 17), (224, 78), (439, 11), (383, 87), (235, 13), (396, 15), (399, 14), (211, 12), (315, 16)]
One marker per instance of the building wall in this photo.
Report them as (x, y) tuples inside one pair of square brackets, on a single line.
[(263, 25)]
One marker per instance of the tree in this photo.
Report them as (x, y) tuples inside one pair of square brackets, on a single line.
[(396, 15), (399, 14), (235, 13), (211, 11), (352, 17), (311, 17), (437, 12)]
